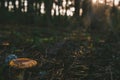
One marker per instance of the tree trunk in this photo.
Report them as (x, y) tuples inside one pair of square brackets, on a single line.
[(113, 3), (3, 12), (105, 2), (30, 12), (77, 8), (86, 6), (48, 7)]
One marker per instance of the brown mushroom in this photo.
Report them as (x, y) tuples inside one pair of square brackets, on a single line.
[(5, 43), (22, 63)]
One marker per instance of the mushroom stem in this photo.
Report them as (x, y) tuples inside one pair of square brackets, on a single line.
[(20, 76)]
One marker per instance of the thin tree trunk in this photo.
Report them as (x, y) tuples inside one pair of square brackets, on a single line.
[(30, 12), (86, 6), (3, 12), (77, 8), (113, 3), (105, 2), (48, 7)]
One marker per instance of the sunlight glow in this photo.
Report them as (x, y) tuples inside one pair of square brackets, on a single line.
[(6, 4), (81, 11), (25, 3), (64, 3), (25, 9), (108, 2), (34, 4), (69, 12), (38, 5), (62, 11), (54, 5), (94, 1), (52, 12), (42, 8), (56, 0), (101, 1), (116, 2), (22, 10), (72, 9), (10, 7), (57, 10), (17, 3), (69, 2)]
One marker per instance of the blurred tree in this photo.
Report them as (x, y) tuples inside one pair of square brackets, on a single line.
[(77, 8), (57, 18), (105, 2), (114, 16), (86, 6), (87, 14), (14, 1), (30, 6), (3, 12), (37, 9), (30, 12), (48, 7), (2, 4), (113, 2)]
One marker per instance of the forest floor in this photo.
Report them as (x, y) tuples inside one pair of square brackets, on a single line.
[(62, 53)]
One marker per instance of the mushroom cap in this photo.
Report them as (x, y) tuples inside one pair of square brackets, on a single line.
[(5, 43), (22, 63)]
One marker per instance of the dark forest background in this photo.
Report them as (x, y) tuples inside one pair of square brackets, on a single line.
[(29, 12), (70, 39)]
